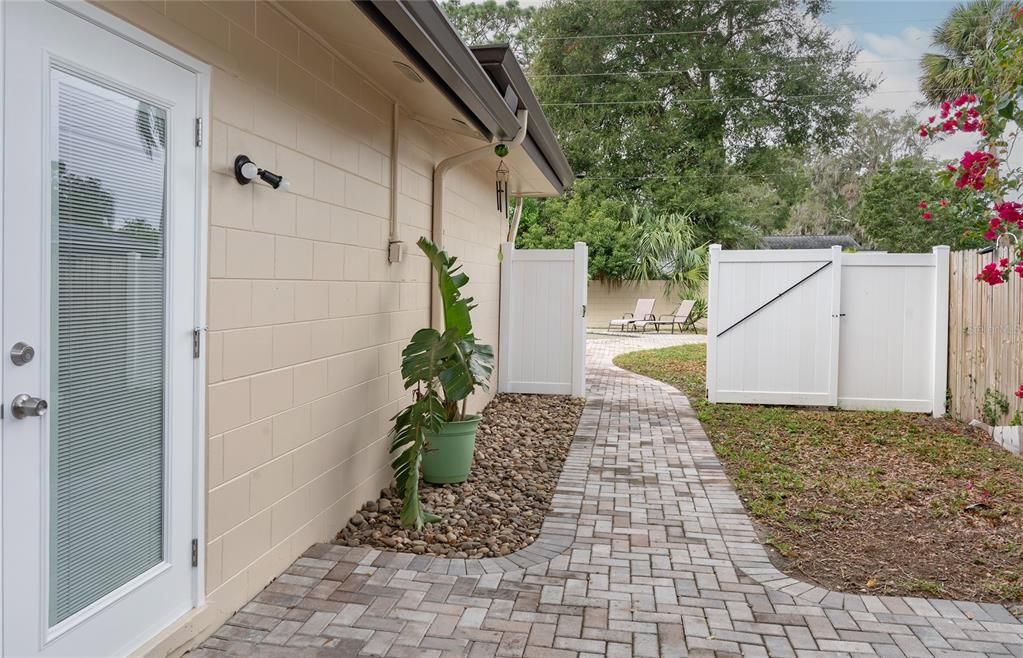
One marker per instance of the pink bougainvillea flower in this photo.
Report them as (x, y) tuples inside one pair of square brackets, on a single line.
[(1019, 393), (944, 203), (927, 216), (991, 274), (975, 165), (923, 204), (1009, 212)]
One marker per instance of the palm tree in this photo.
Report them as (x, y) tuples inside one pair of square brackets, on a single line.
[(667, 248), (963, 41)]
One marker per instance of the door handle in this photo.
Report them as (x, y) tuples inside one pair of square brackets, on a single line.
[(24, 405)]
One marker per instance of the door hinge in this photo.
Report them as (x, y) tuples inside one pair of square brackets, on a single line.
[(196, 342), (195, 552), (198, 131)]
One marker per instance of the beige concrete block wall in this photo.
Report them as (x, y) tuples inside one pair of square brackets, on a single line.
[(607, 300), (306, 317)]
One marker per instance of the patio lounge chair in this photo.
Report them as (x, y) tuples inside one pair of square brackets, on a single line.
[(644, 312), (682, 317)]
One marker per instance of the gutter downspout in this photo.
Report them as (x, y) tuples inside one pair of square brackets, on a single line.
[(394, 245), (513, 229), (437, 223)]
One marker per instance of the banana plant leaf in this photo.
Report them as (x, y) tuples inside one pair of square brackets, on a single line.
[(450, 280), (444, 367), (407, 445)]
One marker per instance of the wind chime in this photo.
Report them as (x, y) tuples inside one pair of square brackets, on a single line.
[(502, 188)]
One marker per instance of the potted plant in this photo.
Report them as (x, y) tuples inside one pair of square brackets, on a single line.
[(433, 435)]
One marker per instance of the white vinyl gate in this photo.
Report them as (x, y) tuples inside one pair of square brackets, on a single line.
[(543, 325), (822, 327)]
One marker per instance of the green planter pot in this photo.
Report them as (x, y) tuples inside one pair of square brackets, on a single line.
[(448, 455)]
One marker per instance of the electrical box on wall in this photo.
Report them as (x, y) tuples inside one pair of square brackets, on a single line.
[(395, 252)]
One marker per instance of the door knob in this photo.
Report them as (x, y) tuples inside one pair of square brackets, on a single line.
[(22, 353), (25, 405)]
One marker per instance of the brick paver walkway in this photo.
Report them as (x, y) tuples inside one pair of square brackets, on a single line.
[(647, 551)]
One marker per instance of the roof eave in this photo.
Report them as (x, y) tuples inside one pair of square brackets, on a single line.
[(541, 143), (422, 32), (485, 83)]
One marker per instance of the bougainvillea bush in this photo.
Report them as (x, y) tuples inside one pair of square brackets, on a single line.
[(994, 113)]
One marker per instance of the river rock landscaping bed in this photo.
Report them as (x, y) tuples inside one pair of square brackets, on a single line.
[(520, 449)]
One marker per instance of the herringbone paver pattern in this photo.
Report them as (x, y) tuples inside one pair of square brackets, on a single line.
[(647, 551)]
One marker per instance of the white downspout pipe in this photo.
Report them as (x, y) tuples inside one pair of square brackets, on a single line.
[(394, 246), (437, 224), (513, 229)]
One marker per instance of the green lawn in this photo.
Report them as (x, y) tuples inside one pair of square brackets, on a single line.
[(880, 502)]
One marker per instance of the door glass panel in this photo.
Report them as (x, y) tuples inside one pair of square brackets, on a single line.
[(109, 179)]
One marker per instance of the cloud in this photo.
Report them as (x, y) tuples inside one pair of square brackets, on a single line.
[(894, 61)]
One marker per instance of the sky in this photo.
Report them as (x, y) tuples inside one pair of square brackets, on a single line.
[(892, 36)]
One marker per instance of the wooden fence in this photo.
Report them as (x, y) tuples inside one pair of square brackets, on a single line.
[(985, 338)]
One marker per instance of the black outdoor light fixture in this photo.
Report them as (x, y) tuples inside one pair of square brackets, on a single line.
[(245, 170)]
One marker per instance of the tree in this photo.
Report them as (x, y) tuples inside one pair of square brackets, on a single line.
[(876, 139), (489, 22), (663, 101), (993, 111), (964, 41), (666, 248), (582, 216), (889, 211)]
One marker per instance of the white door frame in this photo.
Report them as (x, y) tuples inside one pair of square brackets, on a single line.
[(138, 37)]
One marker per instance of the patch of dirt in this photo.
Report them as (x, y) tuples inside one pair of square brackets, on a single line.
[(874, 519), (883, 503), (521, 446)]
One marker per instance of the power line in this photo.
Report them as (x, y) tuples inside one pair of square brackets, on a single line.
[(684, 176), (712, 100), (626, 35), (717, 70)]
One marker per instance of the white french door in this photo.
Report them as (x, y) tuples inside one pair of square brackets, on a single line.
[(100, 185)]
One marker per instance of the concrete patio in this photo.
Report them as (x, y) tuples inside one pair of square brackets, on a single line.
[(647, 551)]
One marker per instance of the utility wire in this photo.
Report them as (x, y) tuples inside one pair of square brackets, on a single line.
[(717, 70), (713, 100), (740, 174), (626, 35)]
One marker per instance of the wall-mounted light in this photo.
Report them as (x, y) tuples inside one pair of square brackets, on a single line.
[(245, 171)]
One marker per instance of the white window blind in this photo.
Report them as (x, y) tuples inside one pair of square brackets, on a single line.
[(109, 180)]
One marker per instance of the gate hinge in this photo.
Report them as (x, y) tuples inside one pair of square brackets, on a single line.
[(198, 131), (195, 552), (197, 341), (584, 310)]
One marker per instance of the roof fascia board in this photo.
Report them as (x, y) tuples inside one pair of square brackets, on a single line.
[(424, 34), (504, 69)]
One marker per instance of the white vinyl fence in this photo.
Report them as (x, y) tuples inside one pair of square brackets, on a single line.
[(543, 324), (822, 327)]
